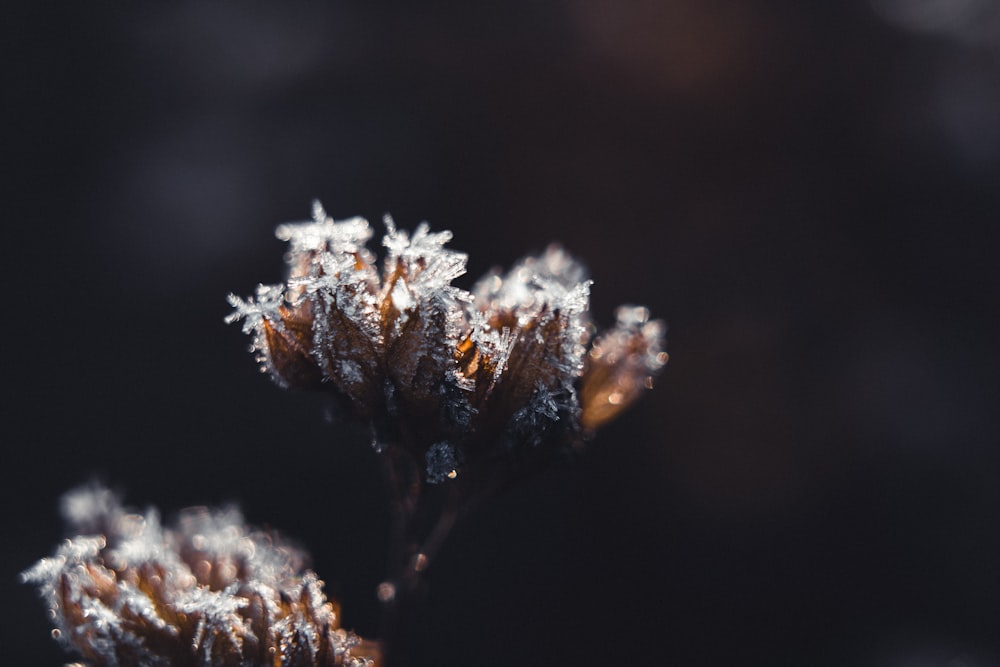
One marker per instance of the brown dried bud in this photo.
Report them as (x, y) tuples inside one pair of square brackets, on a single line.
[(620, 365)]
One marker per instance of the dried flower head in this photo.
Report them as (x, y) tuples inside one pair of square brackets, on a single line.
[(449, 375), (210, 591)]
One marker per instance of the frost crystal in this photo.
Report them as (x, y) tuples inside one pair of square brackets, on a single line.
[(442, 462), (210, 591), (426, 363)]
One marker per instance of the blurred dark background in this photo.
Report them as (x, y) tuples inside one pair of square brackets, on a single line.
[(808, 194)]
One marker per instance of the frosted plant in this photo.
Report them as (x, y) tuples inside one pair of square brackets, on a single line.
[(461, 389), (453, 384), (452, 377), (209, 591)]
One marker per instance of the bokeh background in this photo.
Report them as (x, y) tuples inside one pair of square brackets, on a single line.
[(808, 193)]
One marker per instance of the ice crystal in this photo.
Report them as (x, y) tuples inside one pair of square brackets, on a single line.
[(442, 462), (452, 376), (210, 591)]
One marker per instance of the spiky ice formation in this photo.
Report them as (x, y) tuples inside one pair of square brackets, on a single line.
[(209, 591), (452, 376)]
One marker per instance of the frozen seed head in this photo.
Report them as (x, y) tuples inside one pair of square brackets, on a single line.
[(208, 591), (454, 377)]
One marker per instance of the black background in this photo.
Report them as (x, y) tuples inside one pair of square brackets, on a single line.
[(808, 195)]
